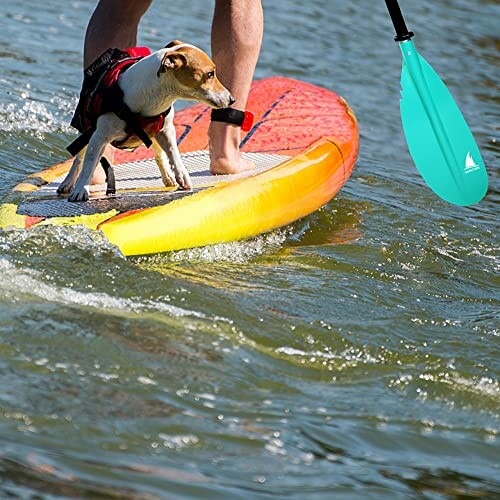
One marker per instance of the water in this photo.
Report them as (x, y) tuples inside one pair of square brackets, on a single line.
[(351, 355)]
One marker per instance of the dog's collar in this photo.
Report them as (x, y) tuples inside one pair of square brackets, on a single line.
[(243, 119)]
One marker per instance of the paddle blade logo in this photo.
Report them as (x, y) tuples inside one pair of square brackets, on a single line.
[(470, 164)]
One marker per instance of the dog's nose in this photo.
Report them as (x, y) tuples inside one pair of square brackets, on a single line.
[(231, 100)]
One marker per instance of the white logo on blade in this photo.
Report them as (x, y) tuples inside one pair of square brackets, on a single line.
[(470, 164)]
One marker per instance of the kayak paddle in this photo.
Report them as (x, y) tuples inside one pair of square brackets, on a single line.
[(438, 137)]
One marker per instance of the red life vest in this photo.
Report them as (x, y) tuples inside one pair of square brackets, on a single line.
[(101, 94)]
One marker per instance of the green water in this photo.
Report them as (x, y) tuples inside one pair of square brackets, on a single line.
[(351, 355)]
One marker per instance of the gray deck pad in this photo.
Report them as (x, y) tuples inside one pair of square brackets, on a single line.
[(138, 185)]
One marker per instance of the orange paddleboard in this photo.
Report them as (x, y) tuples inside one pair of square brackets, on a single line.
[(304, 143)]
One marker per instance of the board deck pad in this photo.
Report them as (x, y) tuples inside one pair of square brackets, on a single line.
[(139, 185)]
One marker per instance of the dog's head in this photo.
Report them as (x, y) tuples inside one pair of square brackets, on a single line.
[(194, 72)]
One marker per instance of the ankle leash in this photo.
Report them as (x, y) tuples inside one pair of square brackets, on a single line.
[(243, 119)]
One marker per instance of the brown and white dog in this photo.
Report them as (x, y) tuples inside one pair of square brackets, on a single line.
[(151, 86)]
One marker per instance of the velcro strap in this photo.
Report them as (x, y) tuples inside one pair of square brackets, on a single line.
[(110, 176), (80, 142), (123, 112), (243, 119)]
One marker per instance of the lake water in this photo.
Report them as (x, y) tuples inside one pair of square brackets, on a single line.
[(354, 354)]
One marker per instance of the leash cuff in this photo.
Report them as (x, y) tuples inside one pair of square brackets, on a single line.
[(243, 119)]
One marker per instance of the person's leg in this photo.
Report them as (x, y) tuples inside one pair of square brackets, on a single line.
[(237, 31), (114, 23)]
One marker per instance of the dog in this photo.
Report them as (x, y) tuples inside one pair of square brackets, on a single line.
[(149, 87)]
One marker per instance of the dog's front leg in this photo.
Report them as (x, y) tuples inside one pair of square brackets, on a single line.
[(95, 150), (69, 182), (109, 127), (167, 140), (167, 175)]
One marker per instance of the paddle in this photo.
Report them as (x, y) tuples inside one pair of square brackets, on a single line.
[(439, 139)]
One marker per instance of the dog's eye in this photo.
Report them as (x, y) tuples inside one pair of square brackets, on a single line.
[(210, 75)]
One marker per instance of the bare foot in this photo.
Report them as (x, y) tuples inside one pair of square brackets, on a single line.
[(225, 156), (99, 176), (224, 166)]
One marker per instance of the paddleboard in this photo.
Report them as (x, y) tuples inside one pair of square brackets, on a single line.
[(304, 143)]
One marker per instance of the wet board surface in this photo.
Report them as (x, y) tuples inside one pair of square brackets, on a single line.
[(304, 143)]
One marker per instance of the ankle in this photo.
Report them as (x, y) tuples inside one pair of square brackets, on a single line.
[(223, 140)]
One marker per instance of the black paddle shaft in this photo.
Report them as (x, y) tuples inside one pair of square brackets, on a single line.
[(402, 32)]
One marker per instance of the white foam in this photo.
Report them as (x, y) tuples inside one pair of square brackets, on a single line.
[(238, 252), (32, 116), (17, 282)]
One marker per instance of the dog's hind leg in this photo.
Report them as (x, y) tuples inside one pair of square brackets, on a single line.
[(69, 182), (167, 140), (109, 127)]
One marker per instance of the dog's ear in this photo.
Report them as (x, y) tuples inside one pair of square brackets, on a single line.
[(172, 60), (173, 43)]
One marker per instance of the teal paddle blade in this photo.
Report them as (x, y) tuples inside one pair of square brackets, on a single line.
[(439, 139)]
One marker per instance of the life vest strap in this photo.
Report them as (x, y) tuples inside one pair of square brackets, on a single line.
[(122, 111), (80, 142), (110, 176)]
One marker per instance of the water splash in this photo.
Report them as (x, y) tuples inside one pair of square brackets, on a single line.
[(238, 252), (50, 240), (36, 118)]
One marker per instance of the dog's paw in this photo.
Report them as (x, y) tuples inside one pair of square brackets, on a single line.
[(65, 187), (79, 195), (168, 179), (184, 181)]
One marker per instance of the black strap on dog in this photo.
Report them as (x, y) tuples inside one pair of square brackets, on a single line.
[(80, 142), (115, 103), (110, 176), (117, 106)]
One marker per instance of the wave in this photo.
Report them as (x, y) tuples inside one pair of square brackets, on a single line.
[(32, 116), (18, 282)]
